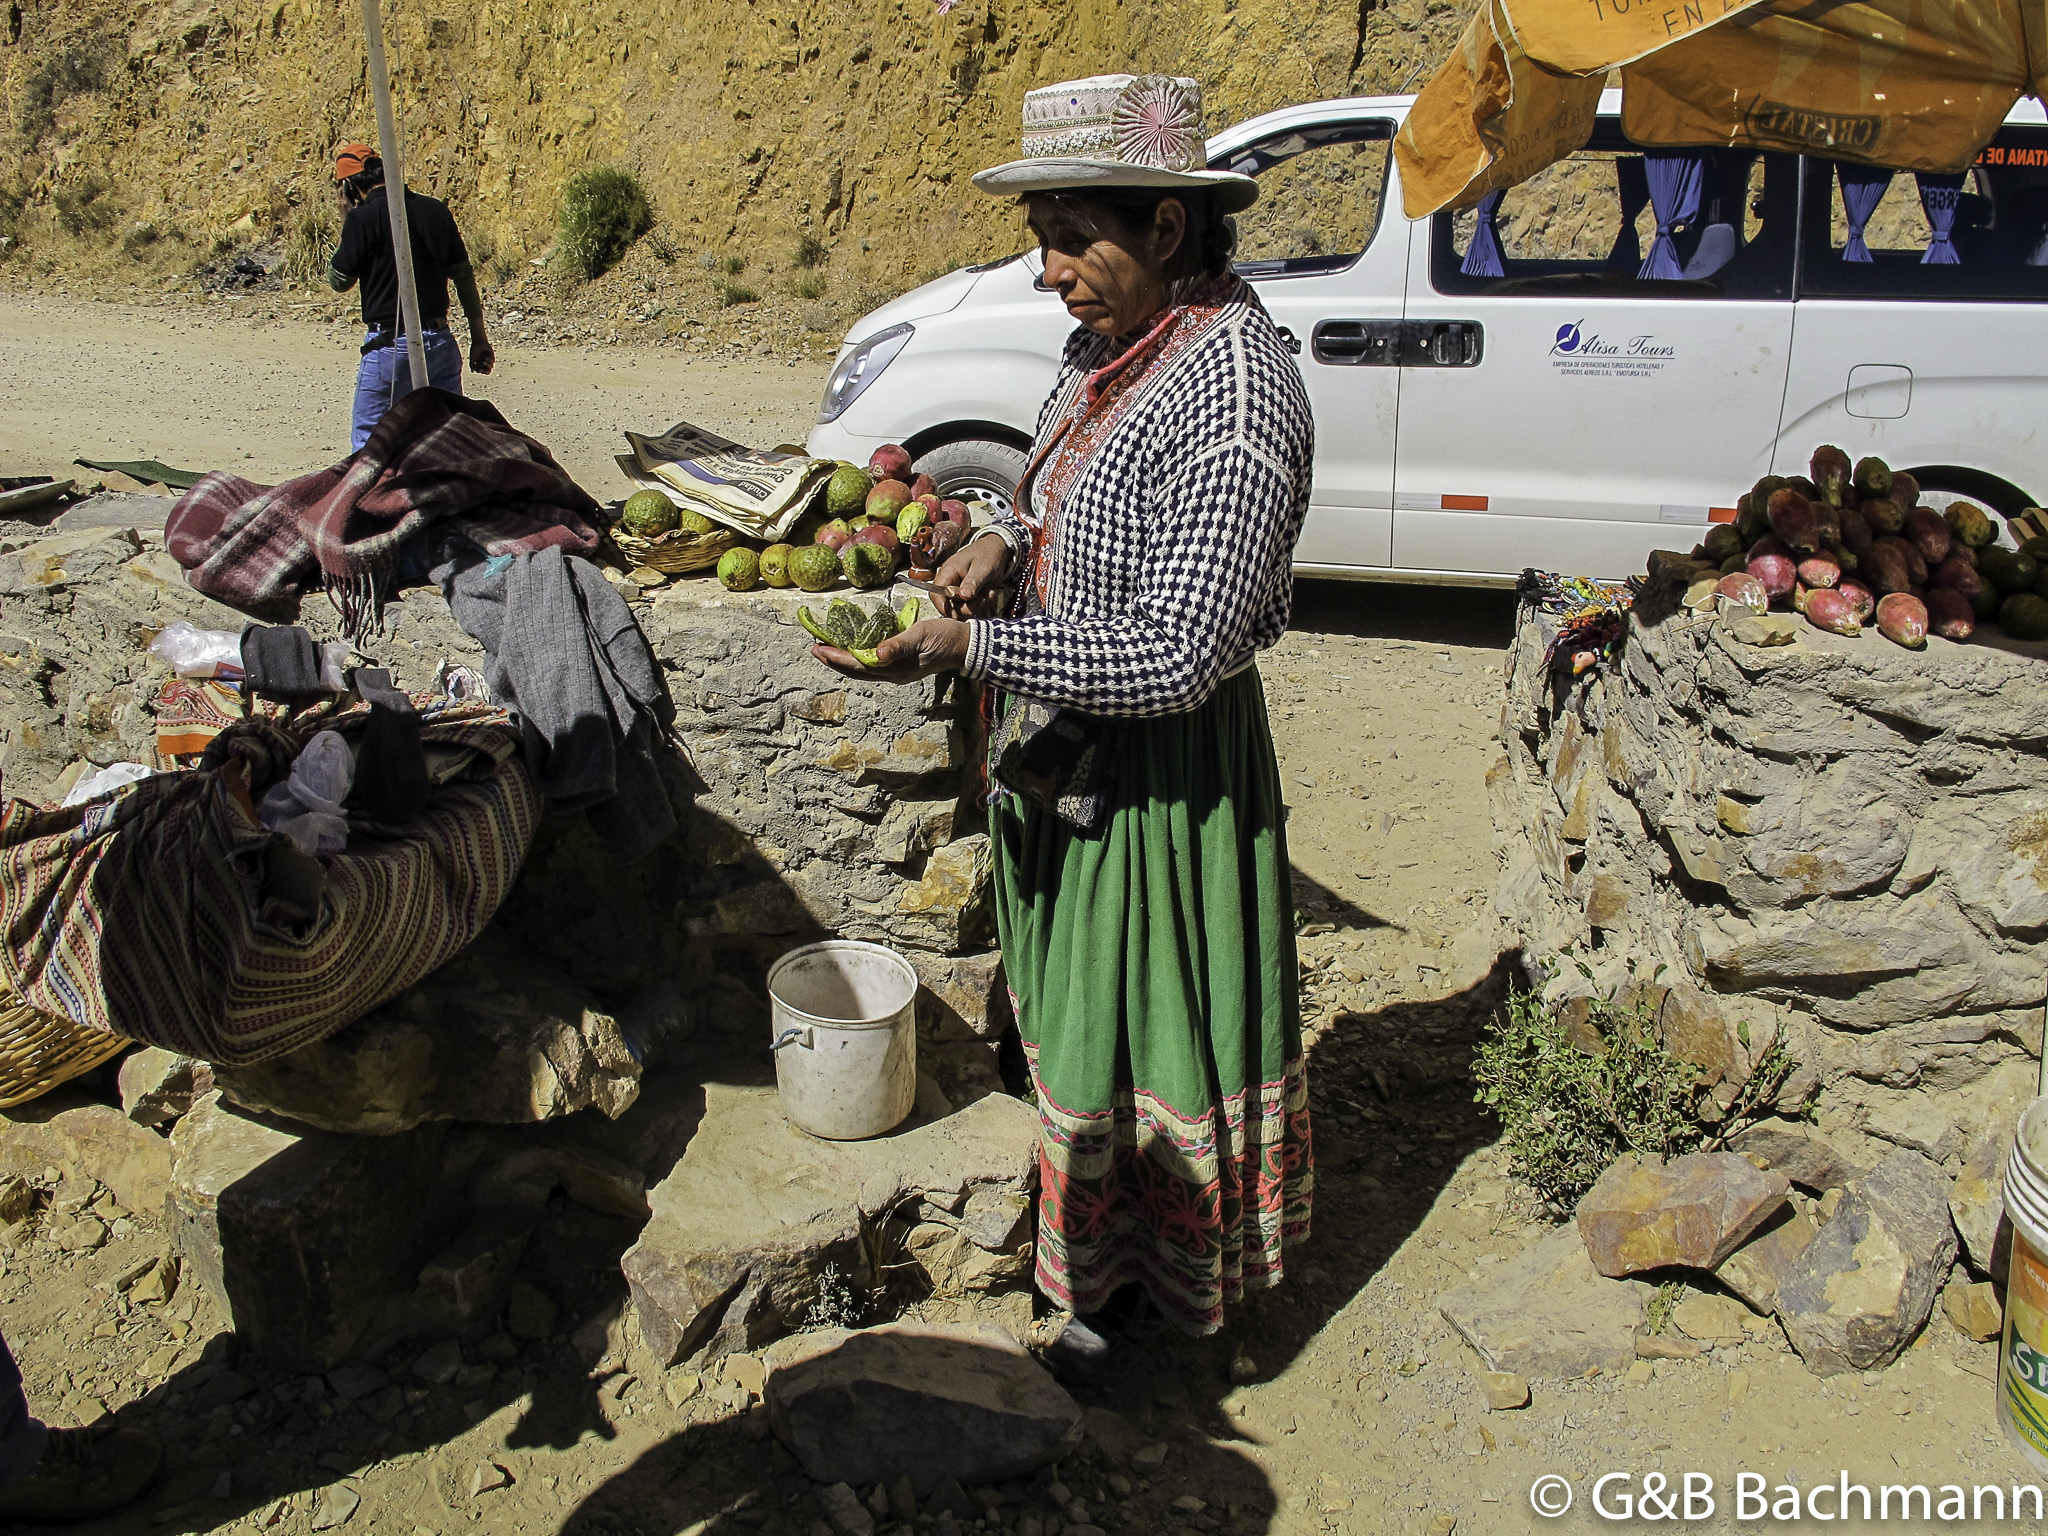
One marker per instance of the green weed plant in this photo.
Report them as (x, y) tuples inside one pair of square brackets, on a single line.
[(1567, 1113), (604, 210)]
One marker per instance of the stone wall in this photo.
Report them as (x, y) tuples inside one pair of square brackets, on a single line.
[(1832, 843), (565, 1053)]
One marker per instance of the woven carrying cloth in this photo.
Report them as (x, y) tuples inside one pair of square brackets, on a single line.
[(435, 460), (167, 914)]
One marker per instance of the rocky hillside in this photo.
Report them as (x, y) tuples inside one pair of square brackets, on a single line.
[(141, 143)]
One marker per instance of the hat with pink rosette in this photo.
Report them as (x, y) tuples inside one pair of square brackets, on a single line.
[(1116, 131)]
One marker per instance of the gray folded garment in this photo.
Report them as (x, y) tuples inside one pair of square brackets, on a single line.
[(566, 657)]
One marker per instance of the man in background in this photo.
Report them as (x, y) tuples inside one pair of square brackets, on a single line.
[(439, 258)]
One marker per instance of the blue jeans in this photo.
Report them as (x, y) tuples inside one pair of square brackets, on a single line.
[(386, 375), (21, 1437)]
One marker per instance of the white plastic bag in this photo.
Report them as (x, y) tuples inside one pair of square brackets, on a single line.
[(196, 652), (306, 808), (105, 782)]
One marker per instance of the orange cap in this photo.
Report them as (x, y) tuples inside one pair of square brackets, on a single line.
[(350, 159)]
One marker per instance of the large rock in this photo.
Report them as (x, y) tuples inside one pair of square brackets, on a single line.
[(1548, 1312), (1799, 1152), (1866, 1283), (968, 1406), (747, 1225), (495, 1036), (157, 1086), (606, 1164), (1756, 1269), (1647, 1213), (64, 1129), (303, 1235), (1976, 1202)]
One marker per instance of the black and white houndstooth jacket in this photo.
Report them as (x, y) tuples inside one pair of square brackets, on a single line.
[(1175, 547)]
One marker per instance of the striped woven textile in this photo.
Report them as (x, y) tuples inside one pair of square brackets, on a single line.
[(166, 914)]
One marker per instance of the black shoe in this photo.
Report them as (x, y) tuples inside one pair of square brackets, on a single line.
[(81, 1475)]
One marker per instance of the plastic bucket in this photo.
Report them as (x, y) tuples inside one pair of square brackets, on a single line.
[(2023, 1344), (845, 1040)]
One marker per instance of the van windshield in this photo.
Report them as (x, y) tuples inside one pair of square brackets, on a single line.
[(1982, 234)]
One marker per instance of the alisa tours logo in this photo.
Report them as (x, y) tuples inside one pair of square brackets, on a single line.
[(1580, 353)]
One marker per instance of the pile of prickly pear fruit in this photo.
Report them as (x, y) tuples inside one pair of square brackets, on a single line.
[(1850, 544)]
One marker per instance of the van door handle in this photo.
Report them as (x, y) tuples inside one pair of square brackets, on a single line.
[(1357, 343), (1442, 343), (1289, 340)]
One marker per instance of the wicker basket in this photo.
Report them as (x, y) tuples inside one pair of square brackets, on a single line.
[(676, 552), (40, 1050)]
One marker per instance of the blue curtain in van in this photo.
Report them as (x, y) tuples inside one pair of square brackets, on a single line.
[(1677, 179), (1863, 188), (1940, 196), (1633, 184), (1484, 257)]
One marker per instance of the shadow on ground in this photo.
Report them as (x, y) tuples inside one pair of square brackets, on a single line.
[(1394, 1119), (1393, 610)]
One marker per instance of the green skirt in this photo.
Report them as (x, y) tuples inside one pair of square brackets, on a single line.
[(1152, 963)]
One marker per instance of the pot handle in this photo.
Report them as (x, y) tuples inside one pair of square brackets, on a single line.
[(796, 1034)]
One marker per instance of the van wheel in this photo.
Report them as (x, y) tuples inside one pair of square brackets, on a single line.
[(975, 467), (1941, 484)]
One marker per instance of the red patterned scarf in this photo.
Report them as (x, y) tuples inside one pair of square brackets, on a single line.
[(1106, 398)]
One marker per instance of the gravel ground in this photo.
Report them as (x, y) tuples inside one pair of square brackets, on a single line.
[(1340, 1403)]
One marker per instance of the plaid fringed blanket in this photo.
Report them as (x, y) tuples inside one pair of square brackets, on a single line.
[(435, 459), (166, 914)]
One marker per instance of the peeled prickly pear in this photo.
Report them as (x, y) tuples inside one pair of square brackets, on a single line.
[(1819, 571), (1776, 572), (1860, 597), (1743, 591), (1902, 618), (1830, 610)]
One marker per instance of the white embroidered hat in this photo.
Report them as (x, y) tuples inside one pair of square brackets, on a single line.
[(1116, 131)]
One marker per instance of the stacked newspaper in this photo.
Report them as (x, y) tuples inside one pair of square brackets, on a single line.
[(760, 493)]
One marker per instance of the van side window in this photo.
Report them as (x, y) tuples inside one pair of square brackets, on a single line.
[(1320, 196), (1981, 235), (1618, 221)]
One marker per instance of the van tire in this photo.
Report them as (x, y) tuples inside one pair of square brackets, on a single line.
[(975, 467), (2001, 496)]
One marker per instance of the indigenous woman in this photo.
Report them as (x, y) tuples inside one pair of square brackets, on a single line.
[(1141, 873)]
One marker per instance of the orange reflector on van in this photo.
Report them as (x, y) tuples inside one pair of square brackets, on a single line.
[(1464, 503), (1720, 514)]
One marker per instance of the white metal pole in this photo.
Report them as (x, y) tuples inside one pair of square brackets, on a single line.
[(394, 193)]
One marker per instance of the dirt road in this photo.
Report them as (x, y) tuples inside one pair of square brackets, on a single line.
[(1339, 1404), (222, 386)]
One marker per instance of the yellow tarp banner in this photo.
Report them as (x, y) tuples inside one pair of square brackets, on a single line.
[(1499, 120), (1918, 85)]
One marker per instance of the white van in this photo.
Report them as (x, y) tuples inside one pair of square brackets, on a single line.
[(1482, 409)]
